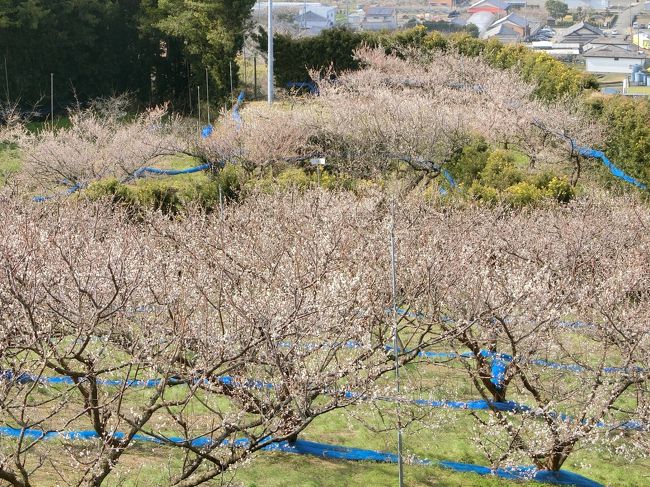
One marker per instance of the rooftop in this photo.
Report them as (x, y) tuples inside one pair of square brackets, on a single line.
[(613, 52)]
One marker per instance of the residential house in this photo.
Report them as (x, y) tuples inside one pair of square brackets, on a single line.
[(580, 33), (446, 4), (498, 7), (521, 26), (379, 18), (504, 33), (607, 41), (316, 18), (642, 39), (355, 19), (313, 23), (565, 51), (517, 3), (509, 29), (613, 59)]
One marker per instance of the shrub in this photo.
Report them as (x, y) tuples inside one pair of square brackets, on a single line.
[(500, 171), (468, 164), (523, 194), (485, 194), (560, 189)]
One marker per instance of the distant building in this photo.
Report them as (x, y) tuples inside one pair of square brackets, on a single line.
[(448, 4), (508, 29), (642, 39), (607, 41), (517, 3), (613, 59), (379, 18), (556, 50), (498, 7), (521, 26), (314, 23), (580, 33), (504, 33)]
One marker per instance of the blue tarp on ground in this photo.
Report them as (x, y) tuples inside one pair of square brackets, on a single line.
[(525, 473), (322, 450)]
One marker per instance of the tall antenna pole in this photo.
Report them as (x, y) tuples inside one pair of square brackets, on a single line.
[(207, 93), (269, 86), (396, 341)]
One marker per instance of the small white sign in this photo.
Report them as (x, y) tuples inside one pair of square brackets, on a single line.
[(319, 161)]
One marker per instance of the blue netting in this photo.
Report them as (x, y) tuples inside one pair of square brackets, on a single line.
[(169, 172), (321, 450), (473, 405), (561, 477), (73, 189), (616, 171)]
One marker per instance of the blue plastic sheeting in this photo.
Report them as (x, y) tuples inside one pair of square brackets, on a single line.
[(475, 405), (616, 171), (236, 116), (169, 172), (450, 178), (25, 378), (313, 89), (206, 131), (575, 324), (561, 477), (69, 191), (322, 450)]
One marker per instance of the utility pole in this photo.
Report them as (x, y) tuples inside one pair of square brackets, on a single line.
[(269, 86), (396, 340)]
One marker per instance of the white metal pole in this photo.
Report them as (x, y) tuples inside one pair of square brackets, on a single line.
[(396, 341), (269, 86)]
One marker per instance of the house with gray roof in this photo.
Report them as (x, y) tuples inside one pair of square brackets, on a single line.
[(613, 59), (379, 18), (313, 23), (580, 33)]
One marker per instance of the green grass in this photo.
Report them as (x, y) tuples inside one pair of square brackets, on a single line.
[(639, 90), (10, 162)]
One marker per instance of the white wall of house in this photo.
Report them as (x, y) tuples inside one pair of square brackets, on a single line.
[(611, 65)]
